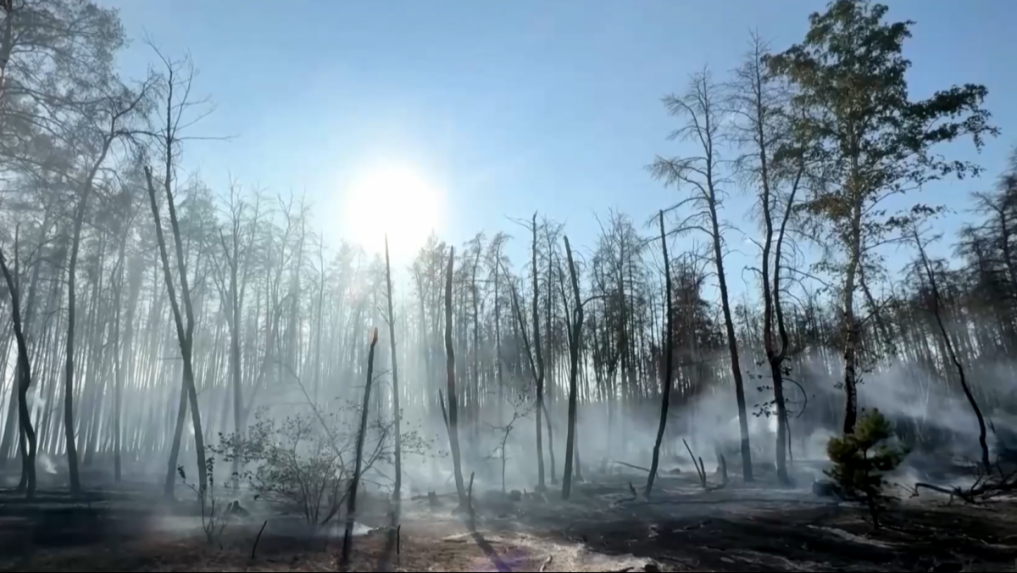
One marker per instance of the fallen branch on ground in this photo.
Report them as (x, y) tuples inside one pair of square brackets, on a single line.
[(632, 466), (987, 486), (546, 563)]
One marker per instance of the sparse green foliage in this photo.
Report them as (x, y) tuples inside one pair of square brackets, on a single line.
[(861, 459), (305, 462), (865, 140), (522, 406)]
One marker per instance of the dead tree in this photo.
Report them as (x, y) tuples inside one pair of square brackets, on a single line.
[(700, 468), (185, 333), (351, 497), (702, 175), (236, 251), (452, 421), (24, 380), (395, 379), (665, 399), (539, 371), (168, 140), (116, 113), (951, 352), (520, 409), (575, 342), (535, 368), (760, 105)]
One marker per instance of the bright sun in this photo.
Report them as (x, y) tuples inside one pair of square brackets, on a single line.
[(392, 200)]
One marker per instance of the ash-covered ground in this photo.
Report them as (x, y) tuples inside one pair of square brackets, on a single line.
[(603, 527)]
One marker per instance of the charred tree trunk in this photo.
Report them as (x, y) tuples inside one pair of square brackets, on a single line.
[(497, 338), (776, 358), (549, 376), (952, 353), (665, 400), (732, 345), (24, 370), (475, 373), (396, 491), (185, 335), (575, 343), (351, 497), (72, 450), (539, 372), (452, 423), (234, 316)]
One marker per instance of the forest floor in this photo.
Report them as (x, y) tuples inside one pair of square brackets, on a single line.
[(602, 528)]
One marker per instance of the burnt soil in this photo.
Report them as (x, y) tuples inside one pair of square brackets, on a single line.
[(602, 528)]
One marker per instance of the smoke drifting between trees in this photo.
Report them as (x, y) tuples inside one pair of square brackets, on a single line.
[(143, 314)]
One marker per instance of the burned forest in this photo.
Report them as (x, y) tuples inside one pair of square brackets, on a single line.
[(800, 355)]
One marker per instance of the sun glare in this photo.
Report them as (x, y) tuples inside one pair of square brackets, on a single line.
[(392, 200)]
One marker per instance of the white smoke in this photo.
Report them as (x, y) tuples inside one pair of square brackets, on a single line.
[(47, 465)]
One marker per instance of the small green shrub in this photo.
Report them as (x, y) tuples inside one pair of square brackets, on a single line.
[(861, 460)]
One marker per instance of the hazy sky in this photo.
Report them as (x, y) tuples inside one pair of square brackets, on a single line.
[(509, 106)]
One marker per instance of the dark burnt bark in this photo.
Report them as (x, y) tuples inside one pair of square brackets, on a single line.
[(666, 382)]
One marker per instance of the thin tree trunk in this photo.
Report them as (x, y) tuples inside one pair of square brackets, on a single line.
[(549, 376), (474, 295), (185, 336), (539, 372), (24, 381), (396, 493), (953, 354), (6, 444), (665, 400), (732, 344), (497, 338), (72, 450), (450, 369), (575, 343), (351, 496)]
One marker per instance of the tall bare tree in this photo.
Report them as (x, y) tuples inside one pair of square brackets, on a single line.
[(175, 92), (703, 176), (236, 249), (395, 378), (108, 119), (667, 381), (452, 415), (538, 372), (24, 372), (761, 109), (936, 303), (351, 497), (575, 346)]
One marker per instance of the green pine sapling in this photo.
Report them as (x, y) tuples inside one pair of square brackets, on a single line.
[(862, 458)]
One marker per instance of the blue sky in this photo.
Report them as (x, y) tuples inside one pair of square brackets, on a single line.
[(510, 107)]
